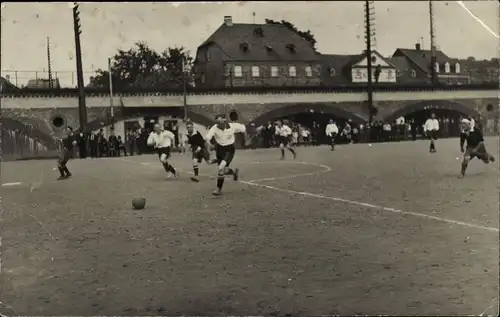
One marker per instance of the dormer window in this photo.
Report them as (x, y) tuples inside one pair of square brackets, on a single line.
[(258, 32), (436, 67), (333, 72), (446, 67), (457, 67), (291, 48), (244, 47), (269, 48)]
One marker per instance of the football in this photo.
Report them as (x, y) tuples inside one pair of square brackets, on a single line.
[(139, 203)]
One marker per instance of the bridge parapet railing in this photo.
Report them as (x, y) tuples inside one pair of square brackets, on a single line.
[(131, 92)]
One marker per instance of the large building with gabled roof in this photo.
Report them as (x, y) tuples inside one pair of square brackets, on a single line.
[(256, 55), (449, 70)]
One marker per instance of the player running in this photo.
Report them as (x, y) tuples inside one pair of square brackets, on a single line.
[(431, 127), (224, 135), (331, 132), (347, 132), (475, 145), (162, 141), (199, 149), (68, 142), (285, 139)]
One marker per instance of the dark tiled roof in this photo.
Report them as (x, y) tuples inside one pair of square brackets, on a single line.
[(422, 58), (277, 37), (340, 63), (404, 68)]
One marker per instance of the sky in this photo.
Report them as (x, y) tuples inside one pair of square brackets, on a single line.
[(337, 25)]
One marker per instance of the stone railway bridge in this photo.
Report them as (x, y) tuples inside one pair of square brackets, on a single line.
[(43, 114)]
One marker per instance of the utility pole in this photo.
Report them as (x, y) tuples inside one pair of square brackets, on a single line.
[(434, 76), (369, 88), (51, 83), (82, 108), (111, 105), (184, 89)]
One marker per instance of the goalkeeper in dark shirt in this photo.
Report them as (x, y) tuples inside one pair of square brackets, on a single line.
[(68, 141), (199, 148), (475, 145)]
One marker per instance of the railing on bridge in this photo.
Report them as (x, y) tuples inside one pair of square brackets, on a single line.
[(73, 92), (21, 78)]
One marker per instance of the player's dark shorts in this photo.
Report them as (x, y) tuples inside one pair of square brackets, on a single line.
[(479, 152), (163, 150), (64, 157), (201, 155), (432, 134), (225, 153), (333, 136), (285, 140)]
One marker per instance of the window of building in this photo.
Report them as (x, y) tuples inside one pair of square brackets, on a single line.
[(309, 71), (413, 73), (358, 73), (457, 67), (274, 71), (202, 78), (292, 71), (255, 71), (238, 71), (333, 72), (390, 74), (208, 56), (446, 67), (437, 67), (291, 48)]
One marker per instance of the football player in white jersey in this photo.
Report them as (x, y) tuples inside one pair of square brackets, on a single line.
[(224, 135), (162, 141), (285, 138), (331, 132), (431, 127)]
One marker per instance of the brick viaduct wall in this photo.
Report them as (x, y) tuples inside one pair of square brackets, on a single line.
[(41, 118)]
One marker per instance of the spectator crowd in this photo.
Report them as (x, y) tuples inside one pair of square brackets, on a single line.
[(96, 145)]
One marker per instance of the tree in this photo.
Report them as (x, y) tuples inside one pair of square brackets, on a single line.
[(142, 67), (306, 35)]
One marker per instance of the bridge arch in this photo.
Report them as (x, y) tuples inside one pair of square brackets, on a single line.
[(327, 109), (430, 106), (36, 134)]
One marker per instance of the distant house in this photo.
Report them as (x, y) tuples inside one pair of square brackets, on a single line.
[(346, 69), (256, 55), (41, 83), (482, 71), (383, 71), (448, 69), (334, 71)]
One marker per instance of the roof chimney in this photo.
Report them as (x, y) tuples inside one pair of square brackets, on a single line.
[(228, 20), (417, 46)]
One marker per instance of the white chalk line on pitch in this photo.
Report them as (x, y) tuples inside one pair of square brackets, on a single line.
[(337, 199)]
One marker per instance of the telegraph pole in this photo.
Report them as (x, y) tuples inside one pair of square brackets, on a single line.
[(369, 88), (184, 89), (51, 83), (433, 45), (111, 105), (82, 108)]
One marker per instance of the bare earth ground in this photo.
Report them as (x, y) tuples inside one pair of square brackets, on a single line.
[(386, 229)]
